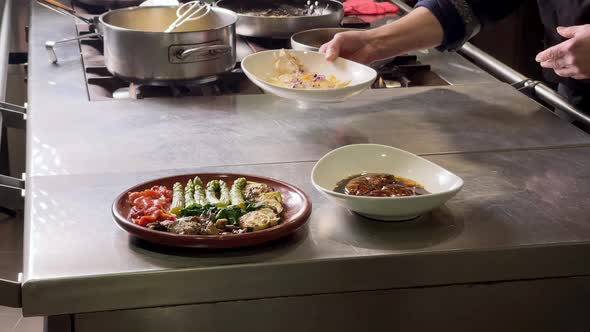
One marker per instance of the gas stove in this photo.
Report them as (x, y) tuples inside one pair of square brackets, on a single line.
[(402, 72)]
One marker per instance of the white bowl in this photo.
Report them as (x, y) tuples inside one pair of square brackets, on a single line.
[(374, 158), (259, 66)]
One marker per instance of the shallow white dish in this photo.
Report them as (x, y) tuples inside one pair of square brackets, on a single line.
[(374, 158), (259, 66)]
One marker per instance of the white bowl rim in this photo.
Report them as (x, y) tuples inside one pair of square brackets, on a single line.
[(304, 32), (366, 81), (337, 194)]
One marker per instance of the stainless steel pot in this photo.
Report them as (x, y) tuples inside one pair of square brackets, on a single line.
[(282, 27), (137, 50)]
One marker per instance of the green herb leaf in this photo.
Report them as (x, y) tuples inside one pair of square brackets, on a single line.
[(196, 210), (253, 206), (232, 213)]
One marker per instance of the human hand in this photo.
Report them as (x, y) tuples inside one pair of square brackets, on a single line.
[(352, 45), (570, 58)]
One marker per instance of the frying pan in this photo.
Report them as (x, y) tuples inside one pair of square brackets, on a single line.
[(329, 15), (111, 3)]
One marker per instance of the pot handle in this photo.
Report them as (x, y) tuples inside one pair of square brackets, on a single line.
[(50, 45), (212, 51)]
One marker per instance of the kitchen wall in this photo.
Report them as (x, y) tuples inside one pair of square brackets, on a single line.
[(516, 40)]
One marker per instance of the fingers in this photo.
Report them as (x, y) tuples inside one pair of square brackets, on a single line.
[(330, 50), (556, 63), (333, 48), (551, 53), (567, 32), (581, 77), (567, 72)]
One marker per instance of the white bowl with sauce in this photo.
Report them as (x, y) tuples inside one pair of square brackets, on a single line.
[(355, 159), (259, 67)]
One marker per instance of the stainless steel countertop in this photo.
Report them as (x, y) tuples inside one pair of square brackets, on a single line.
[(75, 136), (524, 212)]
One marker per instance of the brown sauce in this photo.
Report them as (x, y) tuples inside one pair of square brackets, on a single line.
[(379, 185)]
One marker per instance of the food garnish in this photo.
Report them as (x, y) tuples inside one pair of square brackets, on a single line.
[(150, 205), (289, 72)]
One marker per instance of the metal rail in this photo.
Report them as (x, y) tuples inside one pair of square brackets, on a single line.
[(506, 74), (538, 89)]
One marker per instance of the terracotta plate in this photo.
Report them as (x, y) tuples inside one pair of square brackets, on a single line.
[(297, 208)]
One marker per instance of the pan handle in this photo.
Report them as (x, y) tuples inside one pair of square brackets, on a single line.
[(50, 45), (64, 10), (212, 51)]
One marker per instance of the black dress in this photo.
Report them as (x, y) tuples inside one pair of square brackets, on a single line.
[(461, 19), (566, 13)]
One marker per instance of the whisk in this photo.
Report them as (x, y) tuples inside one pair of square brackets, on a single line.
[(189, 11), (314, 9)]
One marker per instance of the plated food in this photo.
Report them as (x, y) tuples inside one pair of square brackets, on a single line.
[(319, 81), (211, 210), (290, 72), (379, 185), (360, 178)]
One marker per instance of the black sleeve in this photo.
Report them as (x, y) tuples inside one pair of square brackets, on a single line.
[(488, 11), (462, 19)]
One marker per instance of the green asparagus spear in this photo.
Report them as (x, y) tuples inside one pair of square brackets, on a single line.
[(177, 198), (211, 193), (199, 192), (224, 199), (212, 188), (189, 193), (236, 195)]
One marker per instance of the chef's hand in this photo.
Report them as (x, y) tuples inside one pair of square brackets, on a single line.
[(417, 30), (571, 58), (352, 45)]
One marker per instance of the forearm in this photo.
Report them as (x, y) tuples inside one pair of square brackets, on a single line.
[(462, 19), (419, 29)]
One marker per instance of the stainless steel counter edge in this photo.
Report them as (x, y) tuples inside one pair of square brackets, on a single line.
[(151, 286), (329, 276)]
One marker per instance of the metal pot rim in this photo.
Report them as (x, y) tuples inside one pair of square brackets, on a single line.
[(117, 28)]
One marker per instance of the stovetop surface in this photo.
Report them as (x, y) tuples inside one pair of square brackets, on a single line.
[(404, 71)]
